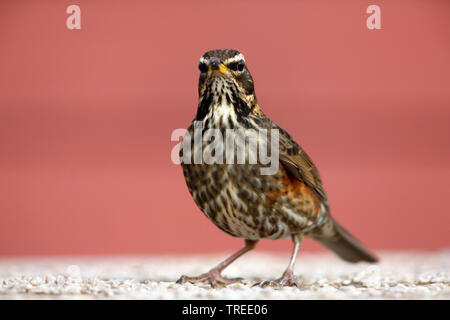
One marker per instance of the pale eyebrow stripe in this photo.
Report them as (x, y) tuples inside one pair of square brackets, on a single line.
[(236, 58)]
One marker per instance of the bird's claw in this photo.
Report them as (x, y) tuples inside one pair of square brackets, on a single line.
[(214, 279), (288, 279)]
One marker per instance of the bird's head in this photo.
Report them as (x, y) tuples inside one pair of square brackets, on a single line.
[(225, 80)]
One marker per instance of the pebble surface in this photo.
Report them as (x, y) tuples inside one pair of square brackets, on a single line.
[(397, 276)]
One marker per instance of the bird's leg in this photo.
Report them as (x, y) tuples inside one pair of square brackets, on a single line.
[(288, 278), (213, 276)]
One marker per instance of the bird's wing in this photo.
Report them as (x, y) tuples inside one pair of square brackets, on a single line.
[(292, 157), (299, 164)]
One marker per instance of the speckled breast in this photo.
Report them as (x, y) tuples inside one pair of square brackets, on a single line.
[(244, 203)]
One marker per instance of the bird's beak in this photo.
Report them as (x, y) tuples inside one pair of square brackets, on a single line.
[(223, 69), (219, 68)]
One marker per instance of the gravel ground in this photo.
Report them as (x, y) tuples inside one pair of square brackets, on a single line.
[(397, 276)]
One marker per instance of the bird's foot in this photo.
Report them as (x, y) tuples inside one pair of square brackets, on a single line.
[(288, 279), (213, 277)]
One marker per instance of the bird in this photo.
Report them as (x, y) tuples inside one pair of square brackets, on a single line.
[(241, 201)]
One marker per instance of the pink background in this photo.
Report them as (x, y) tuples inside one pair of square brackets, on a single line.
[(86, 117)]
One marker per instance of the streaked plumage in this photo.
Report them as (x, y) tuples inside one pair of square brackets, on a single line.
[(236, 197)]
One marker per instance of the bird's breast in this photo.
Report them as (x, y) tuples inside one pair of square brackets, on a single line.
[(236, 196)]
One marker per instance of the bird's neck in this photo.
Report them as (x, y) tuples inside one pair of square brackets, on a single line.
[(223, 106)]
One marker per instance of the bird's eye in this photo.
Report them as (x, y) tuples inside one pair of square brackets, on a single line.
[(235, 66), (241, 65), (203, 67)]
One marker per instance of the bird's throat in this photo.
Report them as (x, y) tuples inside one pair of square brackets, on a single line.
[(222, 106)]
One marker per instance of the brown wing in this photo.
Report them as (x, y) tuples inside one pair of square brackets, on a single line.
[(300, 165), (293, 158)]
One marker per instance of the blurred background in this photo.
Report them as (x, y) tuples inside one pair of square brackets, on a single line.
[(86, 118)]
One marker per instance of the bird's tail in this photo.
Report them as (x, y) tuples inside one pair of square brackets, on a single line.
[(341, 242)]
